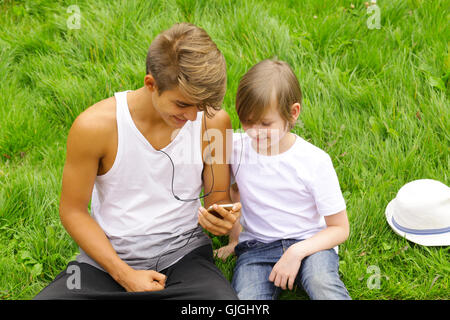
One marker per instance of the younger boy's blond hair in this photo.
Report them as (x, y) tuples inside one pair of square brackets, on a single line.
[(269, 83)]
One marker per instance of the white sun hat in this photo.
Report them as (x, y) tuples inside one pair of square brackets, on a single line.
[(421, 212)]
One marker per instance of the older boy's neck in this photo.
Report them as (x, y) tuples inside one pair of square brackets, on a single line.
[(141, 107)]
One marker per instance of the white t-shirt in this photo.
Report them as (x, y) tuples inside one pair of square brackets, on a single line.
[(284, 196)]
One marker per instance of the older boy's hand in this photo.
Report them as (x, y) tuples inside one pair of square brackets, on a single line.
[(217, 226), (143, 280)]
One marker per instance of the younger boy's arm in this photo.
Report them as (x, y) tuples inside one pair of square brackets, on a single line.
[(336, 232), (225, 251), (233, 239), (285, 270)]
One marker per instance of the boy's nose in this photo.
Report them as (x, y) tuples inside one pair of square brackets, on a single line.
[(257, 132), (191, 114)]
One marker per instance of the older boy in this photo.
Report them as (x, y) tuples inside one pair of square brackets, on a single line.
[(139, 157)]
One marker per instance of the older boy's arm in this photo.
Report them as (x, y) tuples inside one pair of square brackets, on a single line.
[(84, 150), (237, 228), (216, 176), (234, 193), (83, 155)]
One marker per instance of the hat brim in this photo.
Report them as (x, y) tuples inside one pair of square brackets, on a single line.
[(442, 239)]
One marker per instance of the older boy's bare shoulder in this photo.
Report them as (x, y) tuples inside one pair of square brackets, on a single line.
[(96, 125), (220, 120), (98, 118)]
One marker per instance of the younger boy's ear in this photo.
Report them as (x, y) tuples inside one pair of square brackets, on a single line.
[(295, 110)]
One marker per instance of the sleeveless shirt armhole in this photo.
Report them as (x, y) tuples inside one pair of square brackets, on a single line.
[(119, 115)]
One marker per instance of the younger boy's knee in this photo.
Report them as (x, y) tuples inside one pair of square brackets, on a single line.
[(320, 277), (325, 286)]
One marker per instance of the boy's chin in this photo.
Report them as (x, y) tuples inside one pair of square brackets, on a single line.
[(178, 123), (265, 143), (172, 122)]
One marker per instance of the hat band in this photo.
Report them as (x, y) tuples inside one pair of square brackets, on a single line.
[(421, 232)]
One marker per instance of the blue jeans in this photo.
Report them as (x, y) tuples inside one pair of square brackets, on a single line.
[(318, 273)]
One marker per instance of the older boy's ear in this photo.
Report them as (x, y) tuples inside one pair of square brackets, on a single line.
[(150, 82), (295, 110)]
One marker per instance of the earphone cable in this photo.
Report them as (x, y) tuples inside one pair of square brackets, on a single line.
[(163, 252), (173, 174), (212, 171)]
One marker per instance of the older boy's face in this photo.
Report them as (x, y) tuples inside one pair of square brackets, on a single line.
[(175, 109), (269, 130)]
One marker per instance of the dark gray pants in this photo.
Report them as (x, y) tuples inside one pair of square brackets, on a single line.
[(194, 277)]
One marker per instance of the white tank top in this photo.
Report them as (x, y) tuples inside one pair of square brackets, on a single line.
[(133, 202)]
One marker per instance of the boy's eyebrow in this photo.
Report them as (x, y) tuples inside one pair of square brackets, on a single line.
[(183, 104)]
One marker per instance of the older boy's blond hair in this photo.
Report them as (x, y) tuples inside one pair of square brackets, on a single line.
[(185, 57), (268, 83)]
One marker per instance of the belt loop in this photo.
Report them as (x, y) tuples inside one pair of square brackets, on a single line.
[(282, 245)]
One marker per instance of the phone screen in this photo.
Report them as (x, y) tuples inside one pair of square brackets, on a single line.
[(216, 214)]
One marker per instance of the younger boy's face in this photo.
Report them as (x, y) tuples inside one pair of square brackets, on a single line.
[(269, 130)]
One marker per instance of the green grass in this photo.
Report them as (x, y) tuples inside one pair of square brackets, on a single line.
[(376, 100)]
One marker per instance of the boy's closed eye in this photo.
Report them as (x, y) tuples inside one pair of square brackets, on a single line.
[(263, 123), (182, 104)]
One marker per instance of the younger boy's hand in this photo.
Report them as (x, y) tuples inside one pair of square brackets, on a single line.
[(225, 251), (286, 269)]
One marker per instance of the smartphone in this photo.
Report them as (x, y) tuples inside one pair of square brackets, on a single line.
[(225, 206)]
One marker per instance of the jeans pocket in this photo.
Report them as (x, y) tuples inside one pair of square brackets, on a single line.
[(244, 246), (240, 248)]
